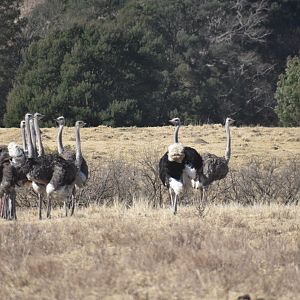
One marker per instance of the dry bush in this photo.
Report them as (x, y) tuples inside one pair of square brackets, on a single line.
[(260, 181), (118, 181)]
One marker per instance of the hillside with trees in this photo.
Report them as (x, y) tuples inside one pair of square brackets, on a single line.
[(140, 62)]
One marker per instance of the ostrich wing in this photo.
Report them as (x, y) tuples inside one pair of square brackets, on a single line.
[(214, 168)]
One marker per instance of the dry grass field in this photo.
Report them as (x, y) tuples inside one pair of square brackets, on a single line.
[(145, 253), (103, 143)]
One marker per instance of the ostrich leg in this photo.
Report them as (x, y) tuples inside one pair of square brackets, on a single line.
[(49, 206), (73, 200), (175, 205), (40, 206)]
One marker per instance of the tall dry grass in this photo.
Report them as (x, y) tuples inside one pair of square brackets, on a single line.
[(145, 253)]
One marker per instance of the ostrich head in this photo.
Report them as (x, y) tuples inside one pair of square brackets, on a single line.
[(22, 124), (175, 121), (60, 120), (176, 152), (229, 121), (80, 124), (14, 150), (28, 116), (38, 116)]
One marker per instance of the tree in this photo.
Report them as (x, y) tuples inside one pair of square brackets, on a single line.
[(99, 74), (288, 94), (11, 25)]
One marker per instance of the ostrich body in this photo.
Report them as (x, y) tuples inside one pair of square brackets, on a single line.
[(192, 159), (170, 172), (215, 167), (73, 156)]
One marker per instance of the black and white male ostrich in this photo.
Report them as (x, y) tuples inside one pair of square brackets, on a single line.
[(73, 156), (215, 167), (178, 166), (192, 161), (51, 171)]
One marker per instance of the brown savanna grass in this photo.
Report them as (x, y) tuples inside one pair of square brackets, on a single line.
[(112, 252), (145, 253), (103, 143)]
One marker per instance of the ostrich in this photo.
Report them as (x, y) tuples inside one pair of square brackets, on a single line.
[(192, 161), (170, 172), (7, 186), (73, 156), (11, 176), (51, 171), (178, 167), (215, 167)]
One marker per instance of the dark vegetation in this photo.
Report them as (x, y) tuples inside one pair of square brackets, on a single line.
[(139, 62)]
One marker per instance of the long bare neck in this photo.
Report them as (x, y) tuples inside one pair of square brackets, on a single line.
[(60, 146), (24, 139), (78, 160), (28, 132), (176, 133), (33, 137), (228, 143), (41, 151)]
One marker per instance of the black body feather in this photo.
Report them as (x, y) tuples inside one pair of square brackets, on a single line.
[(193, 159), (169, 169)]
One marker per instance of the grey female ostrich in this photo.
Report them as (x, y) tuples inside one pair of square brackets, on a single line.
[(73, 156), (215, 167), (7, 186), (178, 166), (52, 171)]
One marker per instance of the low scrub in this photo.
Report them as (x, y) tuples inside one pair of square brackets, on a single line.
[(258, 181)]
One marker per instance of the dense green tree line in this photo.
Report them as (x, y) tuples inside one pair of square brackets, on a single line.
[(139, 62), (10, 44)]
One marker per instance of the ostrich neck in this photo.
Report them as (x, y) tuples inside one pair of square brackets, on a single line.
[(60, 146), (228, 143), (24, 139), (28, 132), (39, 138), (78, 160), (176, 134), (33, 136)]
